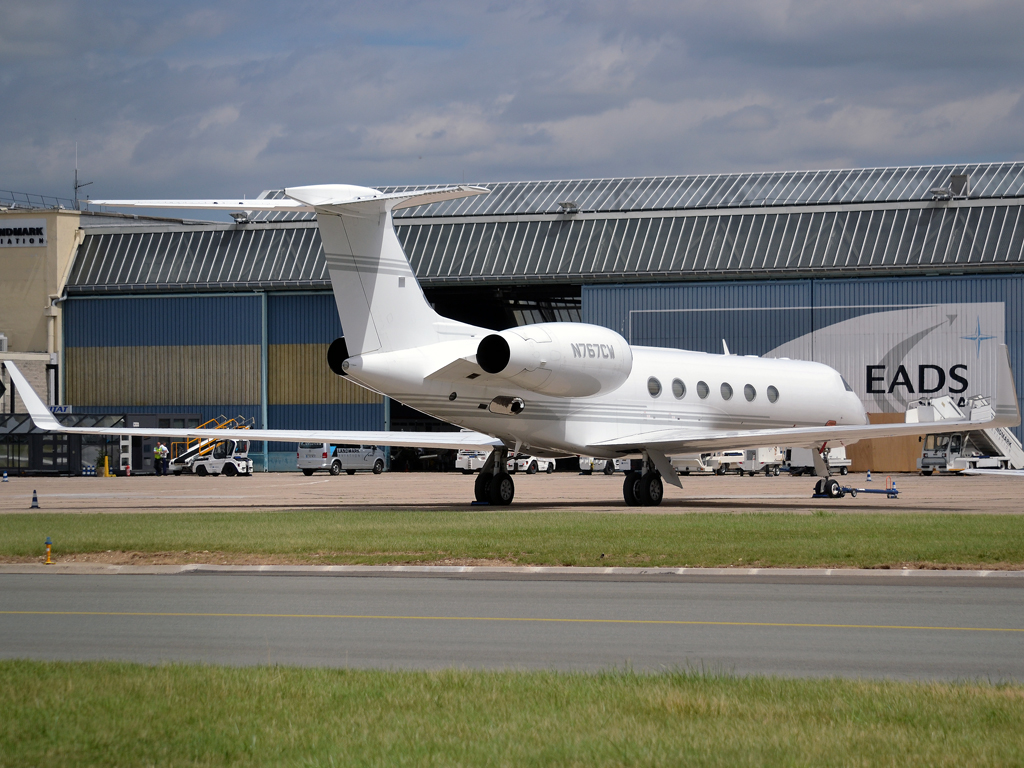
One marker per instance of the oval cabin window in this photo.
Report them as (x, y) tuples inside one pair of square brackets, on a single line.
[(703, 390), (678, 389), (726, 391), (773, 394), (654, 386), (749, 392)]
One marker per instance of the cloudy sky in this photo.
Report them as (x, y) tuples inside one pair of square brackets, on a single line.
[(189, 99)]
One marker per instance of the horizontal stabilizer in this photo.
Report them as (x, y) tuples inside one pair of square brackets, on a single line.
[(45, 420), (219, 205)]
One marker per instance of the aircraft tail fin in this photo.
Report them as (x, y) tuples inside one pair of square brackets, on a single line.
[(380, 303)]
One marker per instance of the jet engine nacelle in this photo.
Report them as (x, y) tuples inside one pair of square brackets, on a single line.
[(560, 359)]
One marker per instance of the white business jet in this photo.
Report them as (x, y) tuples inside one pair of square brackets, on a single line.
[(551, 389)]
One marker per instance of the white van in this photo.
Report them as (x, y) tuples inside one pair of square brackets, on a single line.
[(335, 458)]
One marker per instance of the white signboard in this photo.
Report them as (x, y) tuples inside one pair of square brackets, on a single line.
[(893, 356), (22, 233)]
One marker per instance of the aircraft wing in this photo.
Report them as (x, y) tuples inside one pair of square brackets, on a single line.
[(1003, 472), (1006, 413), (45, 420)]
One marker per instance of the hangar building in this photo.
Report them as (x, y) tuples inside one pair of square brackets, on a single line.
[(904, 279)]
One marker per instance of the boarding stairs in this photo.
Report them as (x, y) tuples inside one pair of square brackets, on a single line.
[(994, 441), (185, 452)]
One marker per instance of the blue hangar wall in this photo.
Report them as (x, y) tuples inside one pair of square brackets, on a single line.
[(893, 339), (205, 354)]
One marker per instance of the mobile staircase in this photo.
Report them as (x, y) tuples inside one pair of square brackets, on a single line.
[(186, 452), (993, 448)]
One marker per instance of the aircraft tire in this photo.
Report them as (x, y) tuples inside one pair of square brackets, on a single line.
[(502, 489), (336, 468), (307, 472), (378, 466), (832, 489), (652, 490), (482, 487), (629, 489)]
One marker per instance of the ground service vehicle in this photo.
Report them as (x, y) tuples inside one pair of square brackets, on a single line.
[(993, 448), (335, 458), (531, 465), (228, 457), (470, 461), (589, 465), (691, 463), (766, 460), (801, 461)]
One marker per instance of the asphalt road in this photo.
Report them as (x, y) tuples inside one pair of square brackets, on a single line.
[(959, 630)]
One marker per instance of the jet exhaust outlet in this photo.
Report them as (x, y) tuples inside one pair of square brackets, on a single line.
[(493, 354), (337, 354), (508, 406)]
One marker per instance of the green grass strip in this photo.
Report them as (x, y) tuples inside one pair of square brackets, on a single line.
[(114, 714), (529, 538)]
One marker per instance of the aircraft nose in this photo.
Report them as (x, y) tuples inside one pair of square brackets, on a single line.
[(858, 414)]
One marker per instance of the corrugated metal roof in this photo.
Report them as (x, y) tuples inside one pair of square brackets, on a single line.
[(783, 224), (783, 243), (702, 191)]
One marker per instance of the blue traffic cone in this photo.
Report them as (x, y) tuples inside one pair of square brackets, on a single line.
[(5, 475), (869, 475), (35, 500)]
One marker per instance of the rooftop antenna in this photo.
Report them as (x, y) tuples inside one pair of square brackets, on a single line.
[(78, 186)]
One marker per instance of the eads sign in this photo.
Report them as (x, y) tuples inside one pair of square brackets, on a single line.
[(891, 356), (21, 233)]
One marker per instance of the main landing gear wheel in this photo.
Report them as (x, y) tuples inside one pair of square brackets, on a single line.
[(502, 489), (646, 490), (336, 468), (629, 489), (652, 491), (482, 487)]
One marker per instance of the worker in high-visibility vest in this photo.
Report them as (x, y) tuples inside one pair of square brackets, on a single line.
[(160, 459)]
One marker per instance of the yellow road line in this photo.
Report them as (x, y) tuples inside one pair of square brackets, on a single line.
[(668, 622)]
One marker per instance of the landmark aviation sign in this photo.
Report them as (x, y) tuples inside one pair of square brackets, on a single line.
[(22, 233)]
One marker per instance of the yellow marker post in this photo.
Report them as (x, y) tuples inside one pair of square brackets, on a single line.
[(48, 543)]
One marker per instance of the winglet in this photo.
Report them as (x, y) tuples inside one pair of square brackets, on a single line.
[(1007, 407), (40, 414)]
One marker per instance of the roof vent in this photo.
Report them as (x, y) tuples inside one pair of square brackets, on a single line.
[(960, 186), (940, 193), (569, 206)]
